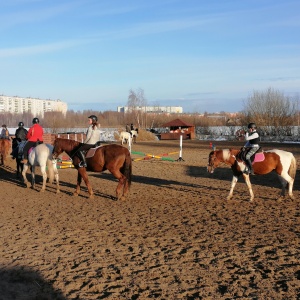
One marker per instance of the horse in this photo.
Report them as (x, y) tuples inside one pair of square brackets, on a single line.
[(125, 137), (283, 162), (134, 134), (41, 155), (5, 146), (18, 154), (114, 158)]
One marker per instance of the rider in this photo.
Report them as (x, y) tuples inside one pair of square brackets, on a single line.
[(34, 137), (4, 132), (127, 128), (252, 138), (92, 138), (20, 136)]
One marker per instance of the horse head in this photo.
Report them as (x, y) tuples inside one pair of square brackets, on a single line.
[(212, 162)]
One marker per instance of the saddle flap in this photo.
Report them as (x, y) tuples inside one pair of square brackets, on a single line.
[(258, 157), (91, 152)]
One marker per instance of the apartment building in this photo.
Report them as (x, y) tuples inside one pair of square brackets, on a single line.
[(153, 109), (36, 106)]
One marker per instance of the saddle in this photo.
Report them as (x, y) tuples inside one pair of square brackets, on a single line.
[(256, 157), (91, 152)]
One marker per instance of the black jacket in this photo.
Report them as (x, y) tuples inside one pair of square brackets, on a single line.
[(21, 134)]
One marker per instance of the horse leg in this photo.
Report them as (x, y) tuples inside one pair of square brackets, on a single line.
[(33, 177), (79, 178), (233, 183), (25, 168), (247, 179), (286, 179), (44, 173), (56, 176), (82, 174), (122, 188)]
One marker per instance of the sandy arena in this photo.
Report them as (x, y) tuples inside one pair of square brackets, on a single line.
[(177, 237)]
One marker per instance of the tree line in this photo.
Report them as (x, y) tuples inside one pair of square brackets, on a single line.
[(269, 109)]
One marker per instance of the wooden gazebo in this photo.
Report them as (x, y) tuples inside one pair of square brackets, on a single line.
[(177, 128)]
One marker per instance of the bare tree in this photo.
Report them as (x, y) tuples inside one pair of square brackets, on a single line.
[(271, 110), (137, 106)]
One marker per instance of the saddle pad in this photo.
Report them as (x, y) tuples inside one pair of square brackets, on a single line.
[(259, 157), (91, 152)]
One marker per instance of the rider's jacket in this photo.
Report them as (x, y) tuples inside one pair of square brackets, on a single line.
[(35, 133), (252, 139), (21, 134)]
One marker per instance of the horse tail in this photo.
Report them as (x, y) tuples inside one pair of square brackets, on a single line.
[(293, 167), (128, 168)]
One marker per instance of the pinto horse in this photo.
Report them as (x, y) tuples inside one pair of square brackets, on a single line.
[(283, 162), (41, 156), (134, 134), (114, 158), (5, 146)]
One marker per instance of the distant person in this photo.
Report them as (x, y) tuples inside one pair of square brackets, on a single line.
[(252, 138), (127, 128), (92, 138), (34, 137), (131, 127), (4, 132)]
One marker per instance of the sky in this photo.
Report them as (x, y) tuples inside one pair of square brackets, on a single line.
[(206, 56)]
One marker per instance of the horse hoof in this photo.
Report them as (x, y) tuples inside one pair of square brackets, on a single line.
[(28, 185), (58, 191), (75, 194), (91, 196), (42, 191)]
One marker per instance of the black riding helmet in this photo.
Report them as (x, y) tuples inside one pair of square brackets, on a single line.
[(35, 121), (252, 125), (21, 124), (94, 118)]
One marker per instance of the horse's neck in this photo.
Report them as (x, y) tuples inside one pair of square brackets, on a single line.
[(229, 156)]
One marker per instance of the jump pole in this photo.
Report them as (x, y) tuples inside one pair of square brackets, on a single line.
[(180, 150)]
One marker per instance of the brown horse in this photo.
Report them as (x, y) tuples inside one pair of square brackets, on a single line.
[(5, 148), (283, 162), (113, 157)]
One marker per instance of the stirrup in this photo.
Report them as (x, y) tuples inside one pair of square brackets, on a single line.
[(82, 165)]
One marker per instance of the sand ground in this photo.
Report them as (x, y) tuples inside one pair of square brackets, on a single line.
[(177, 237)]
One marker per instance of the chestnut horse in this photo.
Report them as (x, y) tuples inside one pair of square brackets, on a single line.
[(283, 162), (5, 148), (114, 158)]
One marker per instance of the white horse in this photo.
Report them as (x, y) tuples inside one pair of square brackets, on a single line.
[(134, 134), (125, 137), (41, 156)]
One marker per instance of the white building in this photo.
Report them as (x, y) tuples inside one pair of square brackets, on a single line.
[(153, 109), (33, 105)]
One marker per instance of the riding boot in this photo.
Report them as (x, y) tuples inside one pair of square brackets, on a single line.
[(81, 156), (249, 163)]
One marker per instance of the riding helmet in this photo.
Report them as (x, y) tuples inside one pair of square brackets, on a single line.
[(21, 124), (35, 121), (94, 118), (252, 125)]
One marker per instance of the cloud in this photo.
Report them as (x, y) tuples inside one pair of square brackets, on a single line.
[(39, 49)]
